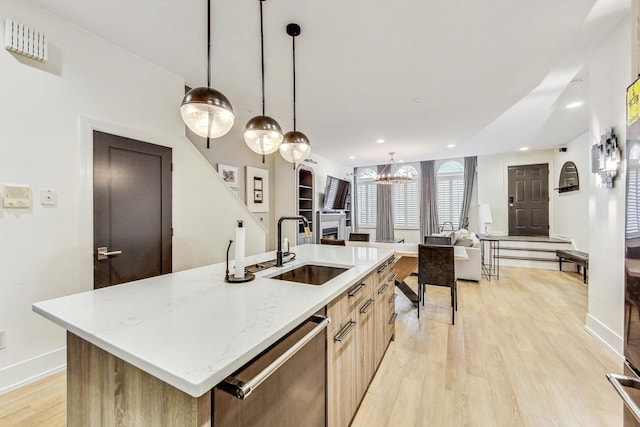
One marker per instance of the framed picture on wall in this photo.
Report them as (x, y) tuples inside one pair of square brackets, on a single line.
[(257, 184), (229, 174)]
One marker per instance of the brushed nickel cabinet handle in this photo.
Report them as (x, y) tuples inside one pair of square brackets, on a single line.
[(365, 308), (357, 290), (382, 289), (392, 320), (619, 382), (392, 298), (345, 331), (242, 389), (383, 268), (392, 277)]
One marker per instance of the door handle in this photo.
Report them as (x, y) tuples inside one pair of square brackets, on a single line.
[(104, 254)]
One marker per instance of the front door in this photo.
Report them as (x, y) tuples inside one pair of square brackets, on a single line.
[(131, 209), (528, 200)]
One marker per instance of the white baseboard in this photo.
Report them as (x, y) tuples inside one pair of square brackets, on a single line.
[(606, 336), (31, 370)]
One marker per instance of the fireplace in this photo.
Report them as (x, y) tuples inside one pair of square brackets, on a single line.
[(331, 226)]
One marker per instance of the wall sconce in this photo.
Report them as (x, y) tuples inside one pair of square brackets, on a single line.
[(605, 157)]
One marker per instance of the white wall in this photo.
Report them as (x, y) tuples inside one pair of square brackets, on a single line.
[(609, 74), (48, 252), (285, 191), (492, 184), (571, 209)]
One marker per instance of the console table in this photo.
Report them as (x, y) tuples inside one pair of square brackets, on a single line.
[(490, 255)]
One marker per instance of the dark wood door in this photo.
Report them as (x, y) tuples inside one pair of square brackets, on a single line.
[(528, 200), (131, 209)]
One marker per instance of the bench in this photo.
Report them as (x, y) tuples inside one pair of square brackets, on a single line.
[(577, 257)]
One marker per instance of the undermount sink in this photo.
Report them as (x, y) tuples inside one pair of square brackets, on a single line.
[(311, 274)]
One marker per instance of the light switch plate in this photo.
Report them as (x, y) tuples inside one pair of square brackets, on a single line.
[(17, 196), (48, 197), (3, 339)]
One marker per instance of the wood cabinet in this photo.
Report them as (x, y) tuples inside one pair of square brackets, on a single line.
[(341, 376), (365, 344), (359, 337)]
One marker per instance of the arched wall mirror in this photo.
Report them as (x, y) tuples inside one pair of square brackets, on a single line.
[(569, 180)]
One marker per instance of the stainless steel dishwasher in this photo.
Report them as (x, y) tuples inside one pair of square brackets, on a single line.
[(283, 386)]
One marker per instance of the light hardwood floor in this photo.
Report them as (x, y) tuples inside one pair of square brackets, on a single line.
[(517, 356)]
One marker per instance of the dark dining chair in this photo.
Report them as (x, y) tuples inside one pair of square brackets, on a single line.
[(336, 242), (358, 237), (436, 266)]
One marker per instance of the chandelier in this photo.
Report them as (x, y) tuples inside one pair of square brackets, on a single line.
[(386, 177)]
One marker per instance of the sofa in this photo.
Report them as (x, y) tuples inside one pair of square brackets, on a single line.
[(470, 269)]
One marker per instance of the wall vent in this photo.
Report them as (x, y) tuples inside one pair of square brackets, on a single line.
[(23, 40)]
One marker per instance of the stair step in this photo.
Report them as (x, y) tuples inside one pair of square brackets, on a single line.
[(536, 239), (523, 248), (526, 258)]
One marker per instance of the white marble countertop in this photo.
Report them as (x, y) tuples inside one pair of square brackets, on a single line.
[(191, 329)]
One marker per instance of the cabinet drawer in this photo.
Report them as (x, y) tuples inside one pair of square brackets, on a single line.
[(338, 309), (383, 270)]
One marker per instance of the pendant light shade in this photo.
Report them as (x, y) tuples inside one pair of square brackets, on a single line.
[(262, 134), (207, 112), (295, 146)]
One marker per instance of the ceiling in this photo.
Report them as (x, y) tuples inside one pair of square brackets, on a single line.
[(486, 76)]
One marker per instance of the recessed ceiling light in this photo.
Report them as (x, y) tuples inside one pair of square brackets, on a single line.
[(352, 157), (524, 149), (416, 100), (380, 141), (451, 146), (400, 161), (574, 104)]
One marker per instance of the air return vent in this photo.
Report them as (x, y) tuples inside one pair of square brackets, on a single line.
[(23, 40)]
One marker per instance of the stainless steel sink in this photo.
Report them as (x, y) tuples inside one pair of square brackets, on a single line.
[(311, 274)]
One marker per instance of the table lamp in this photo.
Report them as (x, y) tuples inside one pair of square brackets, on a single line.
[(484, 215)]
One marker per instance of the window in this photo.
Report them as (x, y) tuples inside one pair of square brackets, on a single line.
[(405, 200), (633, 201), (366, 198), (450, 192)]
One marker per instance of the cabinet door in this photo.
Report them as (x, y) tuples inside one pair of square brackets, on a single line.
[(341, 375), (390, 304), (380, 296), (365, 331)]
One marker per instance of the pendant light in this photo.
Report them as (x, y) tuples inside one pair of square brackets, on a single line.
[(295, 145), (207, 112), (262, 133), (386, 177)]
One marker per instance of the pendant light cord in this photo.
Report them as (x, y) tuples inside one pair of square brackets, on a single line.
[(262, 54), (209, 43), (208, 54), (293, 44)]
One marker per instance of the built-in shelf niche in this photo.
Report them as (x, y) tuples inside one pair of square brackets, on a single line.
[(305, 200)]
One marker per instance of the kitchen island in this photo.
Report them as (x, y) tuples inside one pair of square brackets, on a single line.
[(190, 330)]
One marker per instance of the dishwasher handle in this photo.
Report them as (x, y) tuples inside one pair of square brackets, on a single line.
[(242, 389), (619, 382)]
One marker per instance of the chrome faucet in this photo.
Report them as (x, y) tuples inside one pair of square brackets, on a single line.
[(307, 233)]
